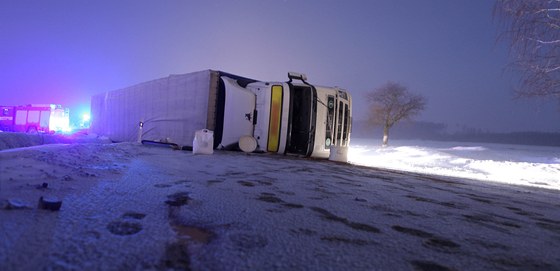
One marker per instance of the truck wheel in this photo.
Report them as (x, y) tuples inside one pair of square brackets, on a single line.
[(32, 130)]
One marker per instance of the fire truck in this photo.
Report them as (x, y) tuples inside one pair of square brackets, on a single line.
[(34, 118)]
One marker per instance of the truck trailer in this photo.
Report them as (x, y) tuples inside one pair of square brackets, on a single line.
[(292, 117)]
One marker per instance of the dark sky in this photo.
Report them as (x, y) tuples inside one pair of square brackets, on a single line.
[(65, 51)]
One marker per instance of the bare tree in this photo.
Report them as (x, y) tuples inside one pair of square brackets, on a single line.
[(532, 28), (392, 103)]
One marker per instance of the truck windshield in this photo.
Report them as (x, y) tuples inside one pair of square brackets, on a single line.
[(302, 119)]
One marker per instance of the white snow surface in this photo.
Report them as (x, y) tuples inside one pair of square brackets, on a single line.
[(537, 166), (132, 207)]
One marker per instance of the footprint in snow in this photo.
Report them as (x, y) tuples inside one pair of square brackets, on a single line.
[(442, 244), (127, 225), (428, 266), (412, 231), (133, 215), (178, 199), (248, 241), (272, 198), (124, 227), (246, 183), (325, 214)]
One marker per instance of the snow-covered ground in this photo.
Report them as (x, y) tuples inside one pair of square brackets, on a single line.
[(131, 207), (512, 164)]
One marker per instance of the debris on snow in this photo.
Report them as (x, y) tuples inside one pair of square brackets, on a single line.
[(15, 204), (49, 203)]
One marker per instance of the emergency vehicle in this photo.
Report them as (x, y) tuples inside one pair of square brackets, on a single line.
[(34, 118)]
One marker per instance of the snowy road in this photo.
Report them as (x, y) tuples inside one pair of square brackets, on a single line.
[(127, 206)]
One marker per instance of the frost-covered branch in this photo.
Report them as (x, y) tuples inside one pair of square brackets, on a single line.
[(532, 28)]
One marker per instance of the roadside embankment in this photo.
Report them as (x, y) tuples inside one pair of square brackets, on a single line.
[(10, 140)]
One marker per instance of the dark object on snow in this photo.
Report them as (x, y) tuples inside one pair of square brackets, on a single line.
[(160, 144), (50, 203), (42, 186)]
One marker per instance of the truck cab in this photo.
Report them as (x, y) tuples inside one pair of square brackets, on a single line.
[(291, 117)]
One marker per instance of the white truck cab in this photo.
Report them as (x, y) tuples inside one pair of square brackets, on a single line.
[(287, 117)]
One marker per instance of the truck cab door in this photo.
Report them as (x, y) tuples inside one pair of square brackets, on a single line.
[(239, 110)]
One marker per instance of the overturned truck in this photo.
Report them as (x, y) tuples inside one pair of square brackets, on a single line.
[(282, 117)]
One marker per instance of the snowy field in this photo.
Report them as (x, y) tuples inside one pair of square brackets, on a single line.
[(131, 207), (537, 166)]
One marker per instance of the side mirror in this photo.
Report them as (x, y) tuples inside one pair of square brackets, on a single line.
[(297, 76)]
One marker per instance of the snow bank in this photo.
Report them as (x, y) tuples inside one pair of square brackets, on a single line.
[(19, 140), (513, 164)]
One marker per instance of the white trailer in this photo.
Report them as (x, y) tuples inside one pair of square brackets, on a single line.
[(282, 117)]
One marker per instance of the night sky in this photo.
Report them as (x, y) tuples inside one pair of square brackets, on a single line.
[(65, 51)]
